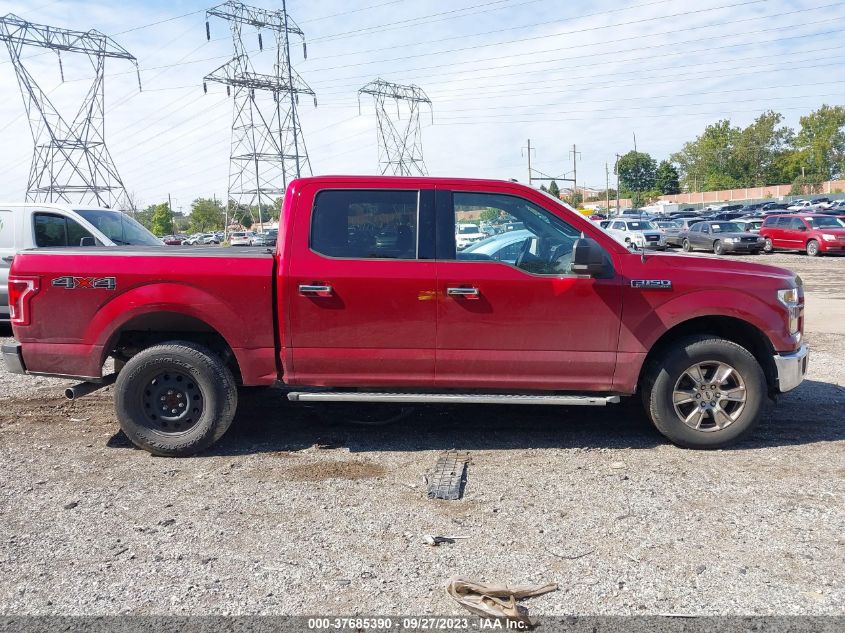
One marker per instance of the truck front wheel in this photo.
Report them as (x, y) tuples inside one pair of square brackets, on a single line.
[(704, 392), (175, 399)]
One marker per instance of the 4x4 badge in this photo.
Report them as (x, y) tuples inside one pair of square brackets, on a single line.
[(653, 284), (71, 283)]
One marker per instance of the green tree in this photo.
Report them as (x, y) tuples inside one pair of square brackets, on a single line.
[(757, 148), (489, 215), (637, 172), (667, 179), (162, 221), (705, 163), (554, 190), (821, 142), (206, 215)]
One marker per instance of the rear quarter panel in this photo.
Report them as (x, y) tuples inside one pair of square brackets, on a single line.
[(72, 329)]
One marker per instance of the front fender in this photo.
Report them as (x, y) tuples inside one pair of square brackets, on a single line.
[(645, 320)]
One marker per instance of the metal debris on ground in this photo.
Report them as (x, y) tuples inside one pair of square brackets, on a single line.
[(434, 541), (449, 477), (495, 601)]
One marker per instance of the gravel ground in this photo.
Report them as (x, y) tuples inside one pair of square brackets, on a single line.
[(295, 512)]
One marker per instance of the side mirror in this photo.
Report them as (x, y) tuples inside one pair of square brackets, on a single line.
[(588, 258), (87, 241)]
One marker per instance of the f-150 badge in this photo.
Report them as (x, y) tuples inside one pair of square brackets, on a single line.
[(72, 283), (652, 284)]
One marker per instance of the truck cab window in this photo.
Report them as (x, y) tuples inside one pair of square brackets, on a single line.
[(57, 230), (542, 244), (362, 224)]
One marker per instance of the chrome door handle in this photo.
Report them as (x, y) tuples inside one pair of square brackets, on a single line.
[(466, 293), (307, 290)]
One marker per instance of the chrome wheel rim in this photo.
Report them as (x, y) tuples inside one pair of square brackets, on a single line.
[(709, 396)]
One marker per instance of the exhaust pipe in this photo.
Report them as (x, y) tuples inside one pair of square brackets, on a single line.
[(85, 388)]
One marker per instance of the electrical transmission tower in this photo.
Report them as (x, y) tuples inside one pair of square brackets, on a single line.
[(399, 144), (268, 149), (71, 162)]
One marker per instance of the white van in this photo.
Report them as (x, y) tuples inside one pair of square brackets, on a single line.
[(37, 225)]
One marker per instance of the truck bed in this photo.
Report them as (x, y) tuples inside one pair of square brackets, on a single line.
[(102, 292)]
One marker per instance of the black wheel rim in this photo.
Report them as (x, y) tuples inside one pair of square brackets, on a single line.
[(171, 402)]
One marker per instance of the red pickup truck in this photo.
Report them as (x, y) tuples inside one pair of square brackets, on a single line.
[(367, 298)]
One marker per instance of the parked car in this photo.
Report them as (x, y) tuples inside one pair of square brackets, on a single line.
[(677, 239), (679, 215), (726, 215), (722, 237), (192, 239), (265, 238), (466, 234), (40, 225), (800, 205), (209, 238), (173, 240), (595, 217), (749, 225), (637, 233), (324, 311), (240, 238), (774, 206), (505, 247), (813, 233), (669, 228)]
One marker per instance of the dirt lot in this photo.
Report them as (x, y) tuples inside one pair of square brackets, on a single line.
[(296, 512)]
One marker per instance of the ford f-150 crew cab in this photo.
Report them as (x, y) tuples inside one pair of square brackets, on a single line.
[(367, 298)]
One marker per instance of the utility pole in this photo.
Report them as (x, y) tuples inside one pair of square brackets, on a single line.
[(607, 186), (529, 162), (616, 169), (170, 210), (575, 155), (539, 174)]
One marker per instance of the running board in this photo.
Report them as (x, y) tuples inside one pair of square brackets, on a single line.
[(448, 398)]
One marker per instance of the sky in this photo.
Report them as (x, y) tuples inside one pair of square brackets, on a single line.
[(498, 72)]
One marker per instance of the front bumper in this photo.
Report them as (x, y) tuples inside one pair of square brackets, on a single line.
[(791, 368), (743, 247), (13, 358)]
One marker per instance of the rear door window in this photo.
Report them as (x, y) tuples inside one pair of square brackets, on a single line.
[(364, 224), (57, 230)]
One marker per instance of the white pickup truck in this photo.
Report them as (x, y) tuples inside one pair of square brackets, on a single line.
[(35, 225)]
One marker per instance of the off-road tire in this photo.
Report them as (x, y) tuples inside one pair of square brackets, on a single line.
[(199, 369), (813, 249), (661, 376)]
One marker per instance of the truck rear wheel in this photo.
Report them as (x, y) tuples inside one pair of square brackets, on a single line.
[(175, 399), (705, 392)]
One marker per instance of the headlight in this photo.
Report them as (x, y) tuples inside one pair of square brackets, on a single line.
[(731, 240), (827, 237), (791, 299)]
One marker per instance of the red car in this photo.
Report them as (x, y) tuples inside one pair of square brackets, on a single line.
[(339, 313), (813, 233)]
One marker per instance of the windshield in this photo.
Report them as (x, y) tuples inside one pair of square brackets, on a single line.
[(467, 228), (825, 223), (119, 227), (641, 226), (725, 227)]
